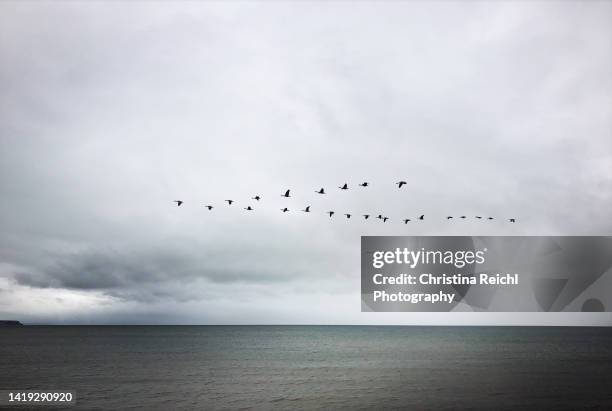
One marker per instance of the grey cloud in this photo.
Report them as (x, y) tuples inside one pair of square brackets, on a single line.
[(171, 272), (109, 111)]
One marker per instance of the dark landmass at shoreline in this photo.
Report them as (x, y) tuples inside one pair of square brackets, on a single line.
[(10, 323)]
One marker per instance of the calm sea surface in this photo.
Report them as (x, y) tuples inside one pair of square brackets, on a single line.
[(313, 367)]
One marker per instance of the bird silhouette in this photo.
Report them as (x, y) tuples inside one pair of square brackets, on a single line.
[(178, 202), (385, 219), (406, 221), (256, 198), (321, 191), (306, 210), (331, 213), (364, 184), (209, 207), (284, 210), (478, 217), (512, 220), (286, 194), (449, 217), (344, 187), (366, 216), (380, 217), (229, 202), (422, 217), (348, 215), (249, 208), (489, 218), (400, 184), (462, 216)]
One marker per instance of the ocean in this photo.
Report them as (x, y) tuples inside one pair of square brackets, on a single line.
[(313, 367)]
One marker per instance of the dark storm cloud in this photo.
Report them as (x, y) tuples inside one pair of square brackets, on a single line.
[(108, 270), (181, 271), (109, 111)]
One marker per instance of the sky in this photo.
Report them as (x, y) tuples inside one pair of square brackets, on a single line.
[(109, 111)]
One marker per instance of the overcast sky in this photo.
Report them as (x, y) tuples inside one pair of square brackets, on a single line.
[(111, 110)]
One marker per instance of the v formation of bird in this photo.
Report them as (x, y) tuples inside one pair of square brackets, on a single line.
[(287, 194)]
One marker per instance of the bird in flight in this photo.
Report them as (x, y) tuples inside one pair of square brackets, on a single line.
[(256, 198), (284, 210), (400, 184), (462, 216), (331, 213), (178, 203), (306, 210), (321, 191), (422, 217), (380, 217), (286, 194), (209, 207), (406, 221), (229, 202), (344, 187), (348, 215), (385, 219), (512, 220), (478, 217), (489, 218), (366, 216), (449, 217), (364, 184), (249, 208)]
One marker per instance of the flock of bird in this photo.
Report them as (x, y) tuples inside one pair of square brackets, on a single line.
[(345, 186)]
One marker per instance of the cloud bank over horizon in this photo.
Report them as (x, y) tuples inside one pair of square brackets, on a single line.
[(109, 111)]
